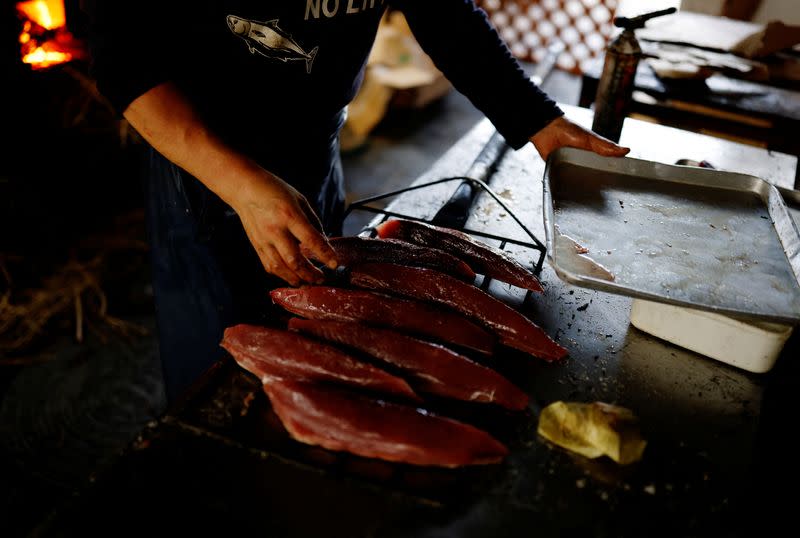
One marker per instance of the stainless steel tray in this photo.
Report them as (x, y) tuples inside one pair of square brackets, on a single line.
[(792, 200), (707, 239)]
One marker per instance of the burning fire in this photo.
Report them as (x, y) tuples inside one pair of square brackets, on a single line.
[(45, 39)]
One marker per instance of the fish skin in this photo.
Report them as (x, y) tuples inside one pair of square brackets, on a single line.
[(484, 259), (434, 369), (354, 249), (340, 420), (406, 315), (513, 329), (277, 353)]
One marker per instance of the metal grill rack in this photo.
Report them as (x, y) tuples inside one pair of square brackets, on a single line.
[(385, 214)]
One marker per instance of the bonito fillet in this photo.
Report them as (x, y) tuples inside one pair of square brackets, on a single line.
[(513, 329), (277, 353), (344, 421), (405, 315), (433, 369), (482, 258), (352, 250)]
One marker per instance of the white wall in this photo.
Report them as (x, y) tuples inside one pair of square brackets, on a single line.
[(786, 11), (709, 7), (631, 8)]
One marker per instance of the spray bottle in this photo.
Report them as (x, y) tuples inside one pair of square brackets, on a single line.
[(615, 88)]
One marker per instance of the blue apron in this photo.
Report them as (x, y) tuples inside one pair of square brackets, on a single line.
[(206, 274)]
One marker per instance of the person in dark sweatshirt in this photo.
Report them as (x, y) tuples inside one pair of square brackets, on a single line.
[(241, 103)]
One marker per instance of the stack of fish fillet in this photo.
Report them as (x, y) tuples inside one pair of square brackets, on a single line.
[(353, 369)]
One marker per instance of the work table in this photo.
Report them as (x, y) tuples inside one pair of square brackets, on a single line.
[(220, 462), (731, 107)]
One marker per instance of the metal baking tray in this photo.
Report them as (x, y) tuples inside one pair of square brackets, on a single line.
[(695, 237), (792, 200)]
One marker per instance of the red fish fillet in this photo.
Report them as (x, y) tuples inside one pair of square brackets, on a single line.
[(416, 317), (484, 259), (340, 420), (434, 368), (513, 329), (352, 250), (283, 354)]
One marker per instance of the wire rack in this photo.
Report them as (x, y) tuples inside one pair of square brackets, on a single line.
[(363, 205)]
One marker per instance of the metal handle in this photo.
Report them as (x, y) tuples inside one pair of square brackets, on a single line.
[(455, 212), (545, 67), (487, 160), (634, 23)]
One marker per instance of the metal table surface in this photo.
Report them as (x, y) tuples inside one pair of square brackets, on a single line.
[(717, 436)]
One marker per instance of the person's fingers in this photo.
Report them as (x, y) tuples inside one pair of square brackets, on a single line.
[(606, 147), (273, 263), (562, 132), (313, 242), (313, 246), (289, 251)]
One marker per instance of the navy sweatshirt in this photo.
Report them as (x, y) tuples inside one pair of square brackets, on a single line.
[(272, 77)]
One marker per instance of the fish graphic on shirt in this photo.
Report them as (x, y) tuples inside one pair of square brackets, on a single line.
[(267, 39)]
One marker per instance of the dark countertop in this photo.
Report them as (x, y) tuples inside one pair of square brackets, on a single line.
[(717, 448)]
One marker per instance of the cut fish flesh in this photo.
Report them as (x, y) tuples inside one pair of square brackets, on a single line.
[(277, 353), (433, 369), (513, 329), (371, 308), (482, 258), (344, 421), (352, 250)]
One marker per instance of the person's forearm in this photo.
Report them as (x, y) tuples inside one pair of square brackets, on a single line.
[(468, 50), (168, 122), (276, 218)]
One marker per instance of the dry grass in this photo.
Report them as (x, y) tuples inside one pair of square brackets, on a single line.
[(71, 296)]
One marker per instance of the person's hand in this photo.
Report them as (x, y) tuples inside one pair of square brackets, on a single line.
[(279, 222), (276, 218), (562, 132)]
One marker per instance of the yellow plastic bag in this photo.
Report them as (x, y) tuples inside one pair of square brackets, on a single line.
[(593, 430)]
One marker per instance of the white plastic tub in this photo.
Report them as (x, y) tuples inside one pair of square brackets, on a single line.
[(752, 346)]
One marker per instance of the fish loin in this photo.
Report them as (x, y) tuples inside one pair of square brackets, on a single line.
[(405, 315), (512, 328), (484, 259), (277, 353), (434, 369), (353, 250), (343, 421)]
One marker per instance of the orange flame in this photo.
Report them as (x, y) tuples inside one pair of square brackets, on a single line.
[(48, 15)]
